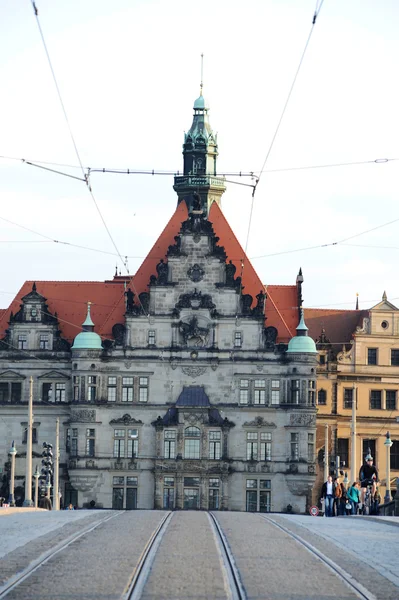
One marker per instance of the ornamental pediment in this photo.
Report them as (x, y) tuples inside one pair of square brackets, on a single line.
[(12, 375), (126, 420), (259, 422), (54, 375)]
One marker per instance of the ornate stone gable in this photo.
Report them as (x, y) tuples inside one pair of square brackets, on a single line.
[(259, 422), (126, 420)]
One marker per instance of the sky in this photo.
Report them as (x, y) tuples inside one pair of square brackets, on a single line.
[(128, 72)]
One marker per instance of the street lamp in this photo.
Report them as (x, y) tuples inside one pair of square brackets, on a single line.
[(36, 475), (12, 452), (388, 443)]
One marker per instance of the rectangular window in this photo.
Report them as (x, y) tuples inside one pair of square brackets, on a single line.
[(244, 391), (76, 388), (213, 503), (92, 379), (119, 448), (151, 337), (169, 443), (47, 392), (192, 482), (348, 397), (390, 399), (252, 483), (191, 448), (371, 356), (322, 397), (117, 498), (22, 342), (310, 447), (275, 391), (169, 481), (375, 399), (343, 451), (265, 446), (143, 389), (90, 442), (168, 497), (213, 482), (395, 455), (16, 392), (252, 445), (295, 388), (4, 391), (294, 446), (60, 392), (259, 391), (132, 448), (44, 343), (237, 339), (25, 435), (311, 392), (395, 357), (111, 390), (118, 480), (214, 445), (127, 389), (91, 393)]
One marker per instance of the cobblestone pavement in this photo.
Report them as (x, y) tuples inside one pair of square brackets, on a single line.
[(188, 565)]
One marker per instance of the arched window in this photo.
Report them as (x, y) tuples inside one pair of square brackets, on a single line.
[(322, 397), (192, 442)]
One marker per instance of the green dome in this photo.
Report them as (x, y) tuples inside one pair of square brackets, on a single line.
[(301, 343), (200, 103), (87, 339)]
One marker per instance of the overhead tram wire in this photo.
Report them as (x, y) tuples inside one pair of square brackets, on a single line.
[(85, 176)]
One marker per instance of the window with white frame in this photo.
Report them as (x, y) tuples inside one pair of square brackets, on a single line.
[(22, 341), (126, 443), (151, 337), (169, 443), (294, 446), (60, 391), (71, 441), (295, 391), (311, 392), (275, 391), (265, 446), (215, 445), (76, 387), (143, 389), (92, 388), (127, 389), (252, 445), (192, 442), (90, 442), (311, 447), (244, 391), (237, 339), (44, 341), (111, 389), (259, 391)]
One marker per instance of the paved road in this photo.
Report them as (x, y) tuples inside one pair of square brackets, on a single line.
[(188, 562)]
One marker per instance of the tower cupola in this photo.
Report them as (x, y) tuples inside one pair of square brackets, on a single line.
[(200, 152), (87, 339), (302, 343)]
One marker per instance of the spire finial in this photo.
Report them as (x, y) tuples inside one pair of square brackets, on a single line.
[(202, 73), (357, 301), (384, 296)]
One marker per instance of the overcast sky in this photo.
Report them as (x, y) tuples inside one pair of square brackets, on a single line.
[(129, 72)]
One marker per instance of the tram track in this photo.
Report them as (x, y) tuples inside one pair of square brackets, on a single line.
[(350, 581), (20, 577)]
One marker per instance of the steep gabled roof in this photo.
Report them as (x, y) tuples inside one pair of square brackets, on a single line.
[(69, 298), (339, 325)]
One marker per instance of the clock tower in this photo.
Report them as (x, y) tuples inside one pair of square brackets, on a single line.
[(200, 185)]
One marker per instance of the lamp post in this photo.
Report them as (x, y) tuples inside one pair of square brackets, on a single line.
[(36, 475), (28, 478), (388, 443), (12, 452)]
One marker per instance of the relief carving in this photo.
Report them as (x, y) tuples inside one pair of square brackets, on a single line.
[(306, 420), (126, 420), (259, 422), (193, 371), (83, 416)]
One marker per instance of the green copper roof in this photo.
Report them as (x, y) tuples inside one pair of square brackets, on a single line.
[(87, 340), (200, 103), (302, 343)]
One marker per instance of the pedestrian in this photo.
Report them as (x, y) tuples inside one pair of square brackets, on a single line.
[(45, 502), (69, 507), (354, 497), (327, 492), (339, 497)]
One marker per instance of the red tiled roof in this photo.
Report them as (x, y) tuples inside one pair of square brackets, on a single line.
[(69, 298), (339, 325)]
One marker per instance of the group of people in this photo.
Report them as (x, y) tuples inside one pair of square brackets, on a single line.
[(340, 500)]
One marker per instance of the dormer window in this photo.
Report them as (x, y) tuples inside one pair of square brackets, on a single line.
[(22, 342)]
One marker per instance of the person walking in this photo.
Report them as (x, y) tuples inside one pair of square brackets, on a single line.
[(339, 497), (354, 496), (327, 492)]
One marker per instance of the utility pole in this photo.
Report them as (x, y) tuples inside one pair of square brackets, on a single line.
[(353, 435), (326, 473), (388, 443), (56, 465), (28, 475), (36, 475), (12, 452)]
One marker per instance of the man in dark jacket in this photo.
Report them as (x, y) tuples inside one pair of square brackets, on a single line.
[(368, 475)]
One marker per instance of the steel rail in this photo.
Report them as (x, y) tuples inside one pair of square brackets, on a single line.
[(17, 579), (135, 587), (352, 583), (232, 575)]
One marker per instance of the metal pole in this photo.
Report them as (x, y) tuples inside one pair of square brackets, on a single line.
[(326, 453), (353, 435), (388, 443), (13, 452), (56, 498), (36, 475), (28, 476)]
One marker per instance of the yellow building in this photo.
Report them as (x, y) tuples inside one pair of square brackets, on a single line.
[(358, 357)]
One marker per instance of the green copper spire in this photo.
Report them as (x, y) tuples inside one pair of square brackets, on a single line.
[(87, 339), (301, 343)]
